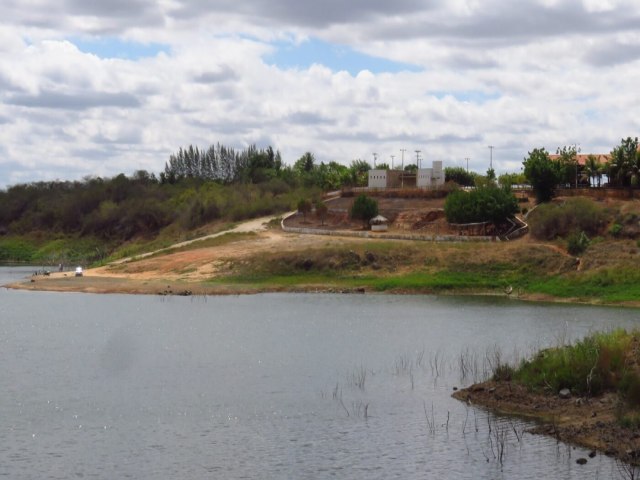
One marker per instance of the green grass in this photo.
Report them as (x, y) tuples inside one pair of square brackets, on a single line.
[(591, 366), (606, 285), (415, 281)]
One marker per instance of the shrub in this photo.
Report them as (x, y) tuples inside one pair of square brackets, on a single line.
[(615, 230), (364, 208), (590, 367), (577, 243), (553, 220), (304, 207), (630, 388), (503, 373)]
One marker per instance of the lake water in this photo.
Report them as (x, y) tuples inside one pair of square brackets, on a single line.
[(270, 386)]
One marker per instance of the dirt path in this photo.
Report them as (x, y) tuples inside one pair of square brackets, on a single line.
[(255, 225)]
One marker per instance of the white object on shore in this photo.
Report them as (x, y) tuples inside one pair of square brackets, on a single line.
[(79, 271)]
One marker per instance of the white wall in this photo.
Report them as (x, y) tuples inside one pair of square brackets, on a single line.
[(377, 179)]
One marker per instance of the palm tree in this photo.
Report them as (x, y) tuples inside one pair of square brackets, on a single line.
[(591, 167), (625, 163)]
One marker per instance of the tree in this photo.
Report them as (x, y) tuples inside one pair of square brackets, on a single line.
[(305, 163), (484, 204), (459, 175), (364, 208), (592, 169), (382, 166), (321, 211), (624, 168), (359, 172), (511, 179), (568, 164), (304, 207), (543, 174)]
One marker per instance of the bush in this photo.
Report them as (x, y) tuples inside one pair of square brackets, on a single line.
[(458, 175), (630, 388), (590, 367), (553, 220), (364, 208), (577, 243), (486, 204), (615, 230)]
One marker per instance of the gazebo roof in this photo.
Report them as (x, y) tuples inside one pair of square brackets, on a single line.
[(378, 220)]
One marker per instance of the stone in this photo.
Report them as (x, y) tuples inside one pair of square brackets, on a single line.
[(592, 453), (565, 393), (581, 461)]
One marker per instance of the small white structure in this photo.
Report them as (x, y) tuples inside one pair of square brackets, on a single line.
[(79, 272), (379, 224)]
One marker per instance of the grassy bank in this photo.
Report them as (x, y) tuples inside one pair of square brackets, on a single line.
[(400, 267), (523, 268), (599, 363)]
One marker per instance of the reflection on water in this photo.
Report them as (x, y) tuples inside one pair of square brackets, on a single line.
[(272, 386)]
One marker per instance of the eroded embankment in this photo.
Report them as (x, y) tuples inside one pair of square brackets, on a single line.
[(588, 422)]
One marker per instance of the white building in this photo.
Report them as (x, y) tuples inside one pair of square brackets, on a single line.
[(430, 177), (423, 178)]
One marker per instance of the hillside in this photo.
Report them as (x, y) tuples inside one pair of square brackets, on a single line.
[(268, 259)]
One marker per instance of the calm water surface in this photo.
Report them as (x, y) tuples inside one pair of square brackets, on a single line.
[(270, 386)]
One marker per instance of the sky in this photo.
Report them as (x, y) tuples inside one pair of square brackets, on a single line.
[(102, 87)]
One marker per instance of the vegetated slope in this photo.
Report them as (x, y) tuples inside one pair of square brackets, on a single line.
[(604, 237)]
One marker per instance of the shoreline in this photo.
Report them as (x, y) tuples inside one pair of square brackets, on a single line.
[(105, 284), (586, 422)]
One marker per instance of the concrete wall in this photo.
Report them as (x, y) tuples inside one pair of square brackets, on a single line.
[(386, 236), (377, 179), (424, 178)]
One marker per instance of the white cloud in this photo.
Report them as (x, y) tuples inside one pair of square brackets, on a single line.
[(514, 76)]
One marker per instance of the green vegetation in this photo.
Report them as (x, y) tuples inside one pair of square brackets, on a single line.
[(486, 204), (542, 173), (576, 215), (511, 179), (304, 207), (364, 208), (460, 176), (611, 285), (599, 363), (577, 243), (624, 167)]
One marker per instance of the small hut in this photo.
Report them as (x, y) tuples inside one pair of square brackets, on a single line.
[(379, 224)]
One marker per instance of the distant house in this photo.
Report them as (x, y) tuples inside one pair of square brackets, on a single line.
[(602, 159), (422, 178)]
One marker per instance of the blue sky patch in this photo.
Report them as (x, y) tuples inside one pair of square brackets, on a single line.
[(472, 96), (111, 47), (336, 57)]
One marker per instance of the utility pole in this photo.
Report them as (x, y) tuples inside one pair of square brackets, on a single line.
[(467, 159), (418, 158), (392, 157), (491, 147), (402, 174), (375, 157)]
